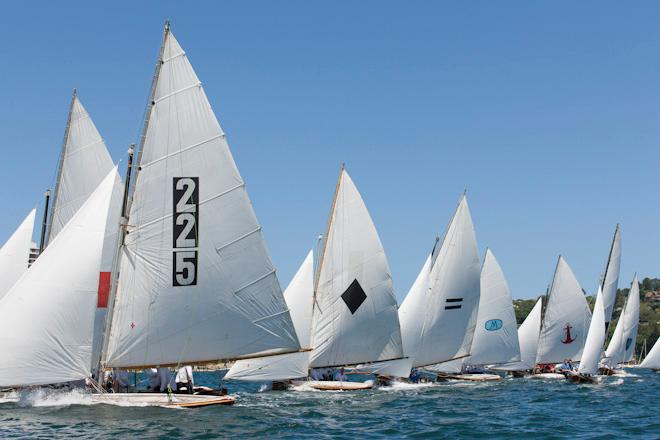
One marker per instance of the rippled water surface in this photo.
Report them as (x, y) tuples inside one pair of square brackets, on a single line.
[(523, 408)]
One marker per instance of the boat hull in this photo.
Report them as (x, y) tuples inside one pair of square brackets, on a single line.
[(338, 386), (161, 400)]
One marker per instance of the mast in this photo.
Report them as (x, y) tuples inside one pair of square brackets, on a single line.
[(60, 168), (128, 198), (602, 282), (434, 253), (44, 223)]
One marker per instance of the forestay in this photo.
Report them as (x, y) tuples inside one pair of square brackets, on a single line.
[(196, 283), (298, 295), (355, 317), (593, 346), (652, 359), (439, 313), (610, 281), (528, 337), (566, 320), (15, 253), (622, 345), (48, 315)]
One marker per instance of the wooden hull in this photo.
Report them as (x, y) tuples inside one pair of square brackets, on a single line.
[(161, 400), (579, 378), (339, 386), (479, 377)]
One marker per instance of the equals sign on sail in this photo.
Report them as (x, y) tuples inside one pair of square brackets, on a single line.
[(453, 303)]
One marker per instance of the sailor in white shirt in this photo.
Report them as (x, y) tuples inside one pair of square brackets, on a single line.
[(184, 378)]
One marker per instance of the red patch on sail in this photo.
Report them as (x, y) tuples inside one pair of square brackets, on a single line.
[(104, 290)]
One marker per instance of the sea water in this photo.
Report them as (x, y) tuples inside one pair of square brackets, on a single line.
[(621, 407)]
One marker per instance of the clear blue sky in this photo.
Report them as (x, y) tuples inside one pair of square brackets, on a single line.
[(548, 112)]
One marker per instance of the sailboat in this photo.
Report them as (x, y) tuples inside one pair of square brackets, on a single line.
[(528, 337), (438, 315), (652, 359), (593, 346), (83, 166), (15, 254), (354, 319), (495, 338), (621, 348), (565, 321), (193, 281), (610, 280)]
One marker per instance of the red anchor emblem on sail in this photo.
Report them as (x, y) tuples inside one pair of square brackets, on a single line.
[(567, 338)]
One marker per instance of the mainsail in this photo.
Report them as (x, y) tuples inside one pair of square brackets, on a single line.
[(355, 317), (57, 296), (622, 345), (610, 280), (652, 360), (298, 296), (15, 253), (528, 336), (84, 162), (195, 280), (439, 313), (593, 346), (566, 320)]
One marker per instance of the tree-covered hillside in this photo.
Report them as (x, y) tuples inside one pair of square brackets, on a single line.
[(649, 311)]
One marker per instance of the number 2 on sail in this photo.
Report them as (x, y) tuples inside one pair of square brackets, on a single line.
[(185, 228)]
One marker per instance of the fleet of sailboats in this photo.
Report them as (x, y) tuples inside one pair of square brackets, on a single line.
[(171, 269)]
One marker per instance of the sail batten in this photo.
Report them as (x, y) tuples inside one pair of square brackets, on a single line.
[(194, 271)]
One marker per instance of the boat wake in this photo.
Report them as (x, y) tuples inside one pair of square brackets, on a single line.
[(406, 386), (48, 398)]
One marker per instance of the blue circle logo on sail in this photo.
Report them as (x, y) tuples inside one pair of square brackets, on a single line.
[(493, 324)]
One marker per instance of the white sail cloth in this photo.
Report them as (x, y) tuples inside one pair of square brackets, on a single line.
[(611, 279), (566, 320), (593, 346), (528, 337), (15, 253), (355, 317), (496, 337), (439, 313), (196, 283), (622, 345), (48, 315), (84, 163), (298, 295), (652, 359)]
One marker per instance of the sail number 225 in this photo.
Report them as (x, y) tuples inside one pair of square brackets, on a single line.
[(185, 230)]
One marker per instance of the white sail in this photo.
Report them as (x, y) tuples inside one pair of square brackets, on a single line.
[(355, 316), (298, 295), (622, 345), (593, 346), (84, 163), (528, 336), (566, 319), (15, 253), (439, 313), (610, 281), (496, 337), (196, 283), (652, 359), (48, 315)]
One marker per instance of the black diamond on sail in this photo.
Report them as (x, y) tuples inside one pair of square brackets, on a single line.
[(354, 296)]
